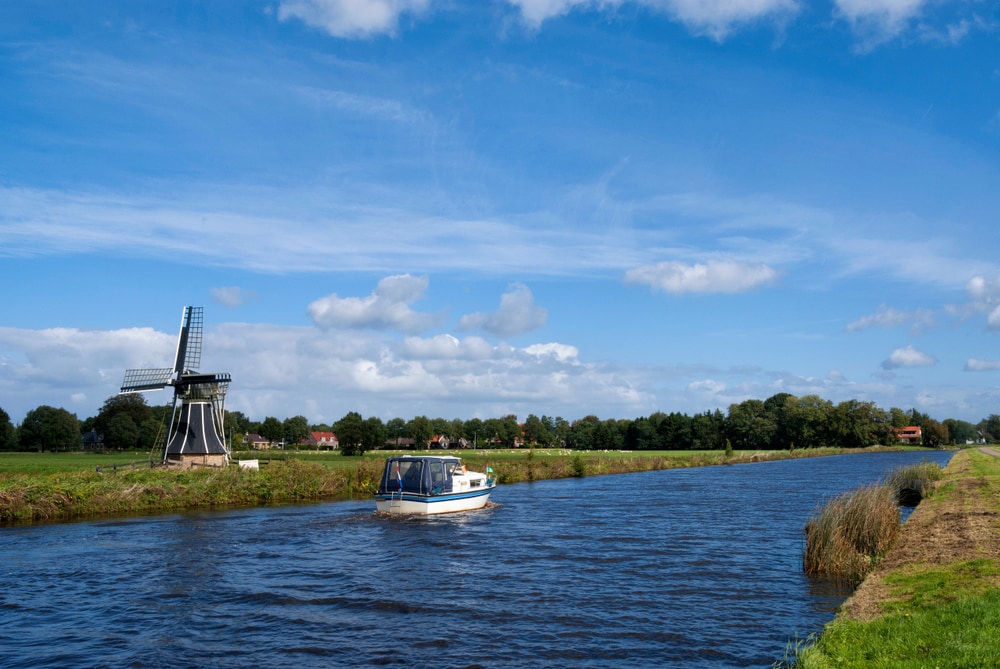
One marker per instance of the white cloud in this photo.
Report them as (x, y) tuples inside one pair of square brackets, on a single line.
[(715, 276), (878, 21), (984, 297), (887, 317), (517, 314), (447, 347), (351, 18), (708, 386), (232, 296), (977, 365), (284, 371), (561, 352), (387, 307), (908, 357), (715, 18)]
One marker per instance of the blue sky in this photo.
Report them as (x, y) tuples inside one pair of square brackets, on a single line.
[(558, 207)]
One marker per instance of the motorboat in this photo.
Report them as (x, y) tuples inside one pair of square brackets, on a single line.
[(428, 484)]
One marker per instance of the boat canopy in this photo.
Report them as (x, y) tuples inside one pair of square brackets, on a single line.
[(427, 475)]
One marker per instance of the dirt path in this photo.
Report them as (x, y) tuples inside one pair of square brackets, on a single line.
[(943, 529)]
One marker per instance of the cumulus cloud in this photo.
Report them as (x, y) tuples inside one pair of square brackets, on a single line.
[(887, 317), (908, 357), (715, 18), (977, 365), (232, 296), (351, 18), (984, 297), (517, 314), (715, 276), (388, 307)]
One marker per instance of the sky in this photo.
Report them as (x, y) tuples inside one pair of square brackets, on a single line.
[(475, 209)]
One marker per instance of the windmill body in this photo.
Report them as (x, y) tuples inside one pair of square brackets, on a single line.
[(194, 437)]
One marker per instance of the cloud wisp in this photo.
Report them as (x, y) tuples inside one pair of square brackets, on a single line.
[(714, 276), (887, 317)]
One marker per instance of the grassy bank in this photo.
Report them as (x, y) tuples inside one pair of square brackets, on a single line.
[(933, 600), (49, 487)]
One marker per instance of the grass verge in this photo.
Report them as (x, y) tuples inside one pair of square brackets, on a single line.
[(934, 600)]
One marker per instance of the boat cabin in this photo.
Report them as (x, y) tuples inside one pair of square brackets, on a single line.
[(422, 475)]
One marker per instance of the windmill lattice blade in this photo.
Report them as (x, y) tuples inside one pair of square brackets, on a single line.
[(138, 380), (195, 325)]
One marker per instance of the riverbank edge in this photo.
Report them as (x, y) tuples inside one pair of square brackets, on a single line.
[(70, 496), (934, 599)]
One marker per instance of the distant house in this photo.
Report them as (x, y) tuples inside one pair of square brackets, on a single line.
[(321, 440), (92, 441), (910, 434), (255, 441)]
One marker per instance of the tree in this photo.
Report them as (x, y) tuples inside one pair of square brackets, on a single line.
[(8, 442), (351, 434), (396, 430), (807, 421), (991, 428), (295, 429), (776, 407), (421, 431), (236, 423), (641, 435), (934, 434), (127, 422), (272, 429), (535, 431), (581, 436), (708, 430), (374, 433), (857, 424), (961, 432), (121, 433), (48, 428), (473, 431), (749, 426)]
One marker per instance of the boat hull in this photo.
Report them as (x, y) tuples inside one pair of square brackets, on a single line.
[(412, 504)]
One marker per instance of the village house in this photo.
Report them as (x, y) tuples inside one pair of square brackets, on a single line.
[(910, 434), (256, 442), (321, 440)]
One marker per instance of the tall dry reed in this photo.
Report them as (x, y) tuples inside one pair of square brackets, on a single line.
[(848, 536), (912, 483)]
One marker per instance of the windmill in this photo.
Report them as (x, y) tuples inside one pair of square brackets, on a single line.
[(196, 419)]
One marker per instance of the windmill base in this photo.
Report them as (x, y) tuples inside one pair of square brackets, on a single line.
[(187, 461)]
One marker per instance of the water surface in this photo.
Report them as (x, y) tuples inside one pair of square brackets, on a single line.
[(680, 568)]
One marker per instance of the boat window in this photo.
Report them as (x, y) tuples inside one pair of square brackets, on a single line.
[(409, 473), (439, 477)]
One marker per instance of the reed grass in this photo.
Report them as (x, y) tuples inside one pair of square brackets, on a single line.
[(912, 483), (847, 537)]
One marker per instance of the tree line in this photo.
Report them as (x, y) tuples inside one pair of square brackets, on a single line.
[(782, 421)]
